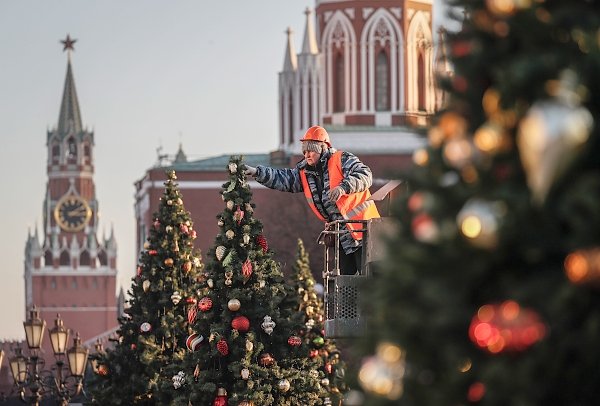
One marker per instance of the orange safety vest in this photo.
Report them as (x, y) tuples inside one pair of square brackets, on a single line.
[(353, 206)]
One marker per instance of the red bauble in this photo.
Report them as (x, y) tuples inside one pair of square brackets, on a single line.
[(102, 370), (476, 392), (294, 341), (240, 323), (266, 359), (156, 223), (183, 228), (221, 399), (223, 347), (205, 304), (262, 241), (461, 48), (313, 353), (187, 266), (506, 327), (152, 252)]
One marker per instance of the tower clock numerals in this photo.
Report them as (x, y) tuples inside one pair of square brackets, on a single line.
[(72, 213)]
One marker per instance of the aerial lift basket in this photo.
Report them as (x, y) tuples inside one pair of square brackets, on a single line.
[(343, 316)]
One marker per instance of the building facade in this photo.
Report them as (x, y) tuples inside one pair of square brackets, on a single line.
[(364, 67), (68, 269)]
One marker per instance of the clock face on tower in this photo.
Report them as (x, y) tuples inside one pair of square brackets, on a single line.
[(72, 213)]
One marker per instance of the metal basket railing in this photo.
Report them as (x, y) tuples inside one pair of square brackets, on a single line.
[(343, 315)]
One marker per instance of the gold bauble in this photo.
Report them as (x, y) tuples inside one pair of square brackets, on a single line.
[(234, 305)]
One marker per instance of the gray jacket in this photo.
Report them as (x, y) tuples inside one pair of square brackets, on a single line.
[(357, 178)]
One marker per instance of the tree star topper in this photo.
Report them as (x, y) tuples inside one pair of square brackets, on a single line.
[(68, 43)]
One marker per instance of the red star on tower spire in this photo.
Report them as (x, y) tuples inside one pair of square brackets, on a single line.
[(68, 43)]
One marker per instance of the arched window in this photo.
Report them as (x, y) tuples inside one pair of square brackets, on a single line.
[(382, 82), (48, 258), (290, 119), (55, 154), (102, 258), (84, 259), (87, 154), (338, 84), (421, 81), (71, 151), (65, 259)]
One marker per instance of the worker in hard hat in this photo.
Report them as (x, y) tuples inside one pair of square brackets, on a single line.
[(336, 186)]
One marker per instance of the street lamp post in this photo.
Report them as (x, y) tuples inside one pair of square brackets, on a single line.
[(31, 380)]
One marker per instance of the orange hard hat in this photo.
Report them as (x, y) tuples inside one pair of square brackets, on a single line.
[(316, 133)]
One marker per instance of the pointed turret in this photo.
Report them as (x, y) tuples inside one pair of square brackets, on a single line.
[(442, 63), (111, 243), (180, 156), (69, 119), (443, 68), (290, 62), (309, 44), (36, 248)]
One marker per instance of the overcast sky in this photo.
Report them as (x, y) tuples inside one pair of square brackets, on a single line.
[(149, 74)]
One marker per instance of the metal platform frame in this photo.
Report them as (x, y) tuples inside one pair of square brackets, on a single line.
[(343, 316)]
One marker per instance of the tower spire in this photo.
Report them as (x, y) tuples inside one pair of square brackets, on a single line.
[(309, 44), (291, 60), (69, 118)]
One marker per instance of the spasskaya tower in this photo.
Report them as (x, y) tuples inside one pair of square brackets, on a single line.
[(71, 271)]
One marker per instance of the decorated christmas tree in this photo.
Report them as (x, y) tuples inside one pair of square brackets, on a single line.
[(323, 351), (244, 347), (489, 294), (152, 332)]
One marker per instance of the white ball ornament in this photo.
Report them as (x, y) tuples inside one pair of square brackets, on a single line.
[(284, 385)]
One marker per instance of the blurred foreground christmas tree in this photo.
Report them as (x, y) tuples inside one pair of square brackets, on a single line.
[(243, 347), (490, 293), (151, 337), (323, 351)]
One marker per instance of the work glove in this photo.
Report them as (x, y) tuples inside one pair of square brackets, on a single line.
[(336, 193), (250, 170)]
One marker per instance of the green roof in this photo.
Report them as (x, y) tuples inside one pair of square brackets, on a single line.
[(217, 163)]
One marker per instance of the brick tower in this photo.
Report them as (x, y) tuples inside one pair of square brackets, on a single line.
[(72, 272)]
